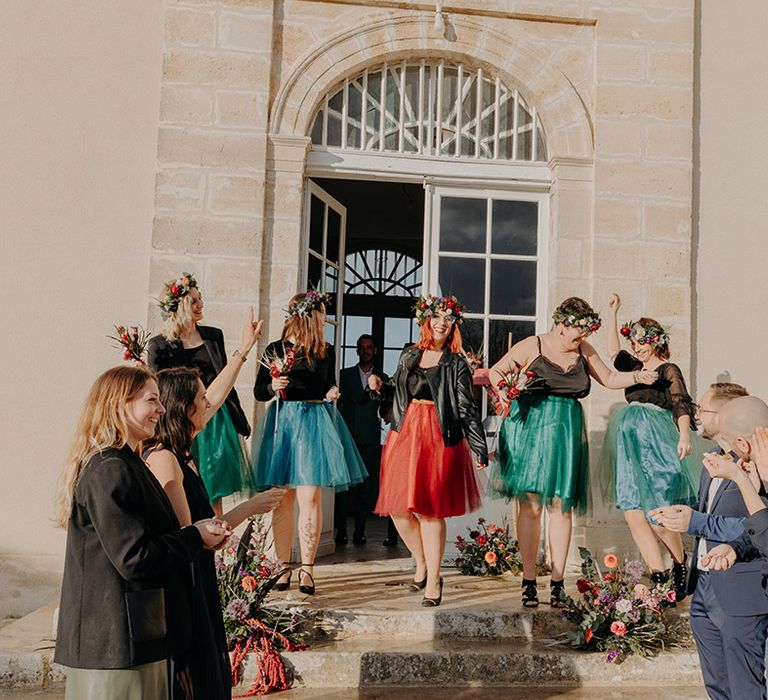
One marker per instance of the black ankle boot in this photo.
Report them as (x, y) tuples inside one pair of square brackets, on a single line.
[(680, 578)]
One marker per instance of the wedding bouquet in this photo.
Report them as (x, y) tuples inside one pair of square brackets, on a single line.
[(475, 359), (512, 384), (246, 576), (132, 340), (280, 366), (489, 551), (618, 613)]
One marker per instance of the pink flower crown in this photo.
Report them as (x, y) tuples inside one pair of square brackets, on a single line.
[(312, 300)]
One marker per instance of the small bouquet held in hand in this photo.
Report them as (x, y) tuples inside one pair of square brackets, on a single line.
[(512, 384), (618, 614), (475, 358), (280, 366), (245, 577), (489, 551), (132, 340)]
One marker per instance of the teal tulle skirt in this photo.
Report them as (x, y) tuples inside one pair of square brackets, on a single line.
[(639, 468), (543, 450), (221, 458), (311, 446)]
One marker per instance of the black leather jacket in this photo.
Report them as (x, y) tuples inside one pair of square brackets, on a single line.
[(451, 387)]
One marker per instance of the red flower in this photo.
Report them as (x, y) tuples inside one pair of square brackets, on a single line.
[(611, 561), (513, 393), (482, 540), (609, 577), (531, 374), (474, 534), (174, 289), (594, 327), (127, 355), (491, 558), (481, 520), (582, 585), (618, 628), (249, 583), (588, 635), (625, 331)]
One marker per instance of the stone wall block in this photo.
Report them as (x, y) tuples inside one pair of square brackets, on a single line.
[(190, 27), (621, 62), (617, 218), (667, 221), (230, 194), (665, 141), (222, 70), (627, 100), (210, 148), (242, 109), (179, 189), (666, 263), (660, 25), (673, 67), (239, 31), (667, 180), (619, 138), (234, 280), (617, 259), (207, 235), (669, 302), (186, 105)]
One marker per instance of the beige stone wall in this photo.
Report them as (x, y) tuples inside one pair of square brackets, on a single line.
[(80, 86), (732, 151)]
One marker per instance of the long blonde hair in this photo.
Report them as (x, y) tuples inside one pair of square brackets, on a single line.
[(308, 332), (179, 321), (101, 425)]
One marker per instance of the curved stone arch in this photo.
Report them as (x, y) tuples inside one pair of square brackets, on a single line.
[(563, 115)]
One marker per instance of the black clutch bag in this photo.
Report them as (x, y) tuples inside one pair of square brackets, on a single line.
[(146, 614)]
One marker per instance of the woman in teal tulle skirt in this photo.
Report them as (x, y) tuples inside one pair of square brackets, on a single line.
[(301, 442), (652, 456), (542, 456)]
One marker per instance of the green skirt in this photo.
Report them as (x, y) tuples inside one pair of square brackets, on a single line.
[(221, 458), (543, 450)]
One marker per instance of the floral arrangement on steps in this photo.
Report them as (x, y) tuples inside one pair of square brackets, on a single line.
[(245, 577), (618, 613), (489, 551)]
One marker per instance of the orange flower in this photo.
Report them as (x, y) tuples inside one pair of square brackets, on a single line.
[(611, 561), (249, 583), (490, 557), (588, 635)]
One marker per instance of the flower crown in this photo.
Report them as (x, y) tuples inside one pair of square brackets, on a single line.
[(174, 292), (646, 334), (590, 322), (429, 306), (312, 300)]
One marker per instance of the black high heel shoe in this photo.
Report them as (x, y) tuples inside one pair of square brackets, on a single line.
[(433, 602), (303, 587), (284, 585), (557, 594), (416, 586), (530, 593), (680, 577)]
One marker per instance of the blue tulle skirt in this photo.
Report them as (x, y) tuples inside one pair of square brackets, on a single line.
[(543, 450), (639, 468), (305, 443)]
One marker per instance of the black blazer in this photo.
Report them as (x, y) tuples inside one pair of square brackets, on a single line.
[(740, 590), (359, 410), (451, 386), (162, 354), (126, 593)]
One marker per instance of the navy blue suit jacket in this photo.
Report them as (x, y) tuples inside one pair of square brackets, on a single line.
[(741, 590)]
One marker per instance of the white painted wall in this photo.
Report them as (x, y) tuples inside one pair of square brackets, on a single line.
[(80, 91), (732, 287)]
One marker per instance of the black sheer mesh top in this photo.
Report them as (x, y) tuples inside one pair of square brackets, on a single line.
[(573, 383), (309, 379), (668, 391), (418, 385)]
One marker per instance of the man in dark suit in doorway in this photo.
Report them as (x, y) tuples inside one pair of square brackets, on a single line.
[(360, 413)]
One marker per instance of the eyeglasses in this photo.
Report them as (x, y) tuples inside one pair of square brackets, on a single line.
[(698, 409)]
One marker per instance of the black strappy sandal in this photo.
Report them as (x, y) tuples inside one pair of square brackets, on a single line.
[(284, 585), (303, 587), (557, 594), (530, 593)]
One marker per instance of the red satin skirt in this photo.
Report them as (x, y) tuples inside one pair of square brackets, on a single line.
[(419, 474)]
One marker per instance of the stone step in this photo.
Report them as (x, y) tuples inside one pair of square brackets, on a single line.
[(477, 663)]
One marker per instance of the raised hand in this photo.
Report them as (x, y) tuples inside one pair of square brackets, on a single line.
[(251, 332), (615, 303), (760, 452)]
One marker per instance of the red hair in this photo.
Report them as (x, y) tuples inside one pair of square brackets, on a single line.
[(427, 339)]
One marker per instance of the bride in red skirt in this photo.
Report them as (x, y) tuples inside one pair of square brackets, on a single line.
[(427, 473)]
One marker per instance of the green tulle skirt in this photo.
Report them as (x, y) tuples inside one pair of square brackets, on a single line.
[(543, 450), (221, 457), (639, 468)]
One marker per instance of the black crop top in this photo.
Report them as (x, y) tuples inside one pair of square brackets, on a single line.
[(573, 383), (668, 391), (308, 380), (418, 385)]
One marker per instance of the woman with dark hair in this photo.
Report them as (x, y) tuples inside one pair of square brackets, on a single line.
[(301, 442), (647, 460), (219, 450), (126, 593), (542, 458), (188, 408), (426, 467)]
